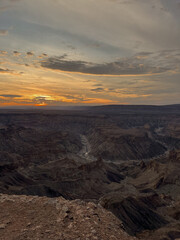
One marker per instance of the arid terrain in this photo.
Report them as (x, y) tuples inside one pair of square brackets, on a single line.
[(123, 160), (47, 218)]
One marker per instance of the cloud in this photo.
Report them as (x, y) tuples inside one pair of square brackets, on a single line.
[(10, 96), (122, 92), (84, 99), (55, 100), (43, 55), (16, 53), (125, 66), (30, 54), (3, 32), (98, 90), (5, 70), (9, 71)]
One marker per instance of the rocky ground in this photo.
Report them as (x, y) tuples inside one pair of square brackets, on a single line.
[(25, 217)]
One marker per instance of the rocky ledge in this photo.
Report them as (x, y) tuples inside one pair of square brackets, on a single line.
[(31, 217)]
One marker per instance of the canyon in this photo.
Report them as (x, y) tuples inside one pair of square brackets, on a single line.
[(125, 159)]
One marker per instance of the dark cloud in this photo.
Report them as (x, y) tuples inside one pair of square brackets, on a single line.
[(128, 66), (144, 53), (77, 98), (108, 90), (97, 85), (43, 55), (98, 90), (16, 53), (136, 91), (30, 54), (10, 96), (5, 70)]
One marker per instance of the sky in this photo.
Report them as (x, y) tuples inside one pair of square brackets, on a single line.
[(89, 52)]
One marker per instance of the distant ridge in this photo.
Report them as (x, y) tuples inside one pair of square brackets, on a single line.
[(97, 110), (113, 109)]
